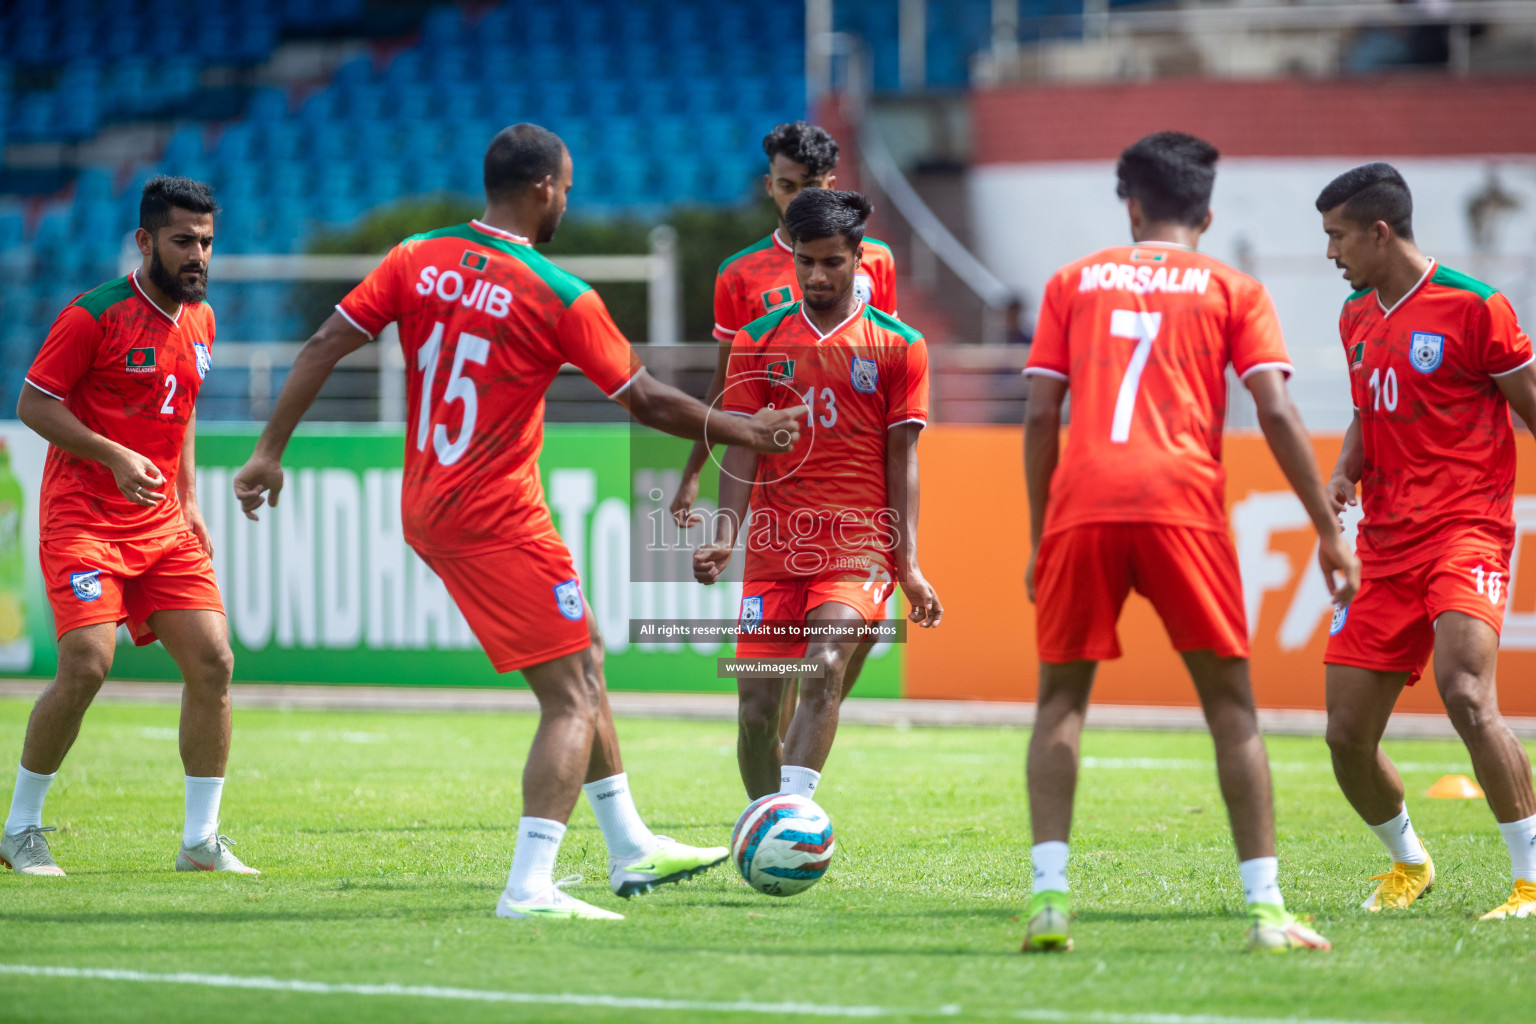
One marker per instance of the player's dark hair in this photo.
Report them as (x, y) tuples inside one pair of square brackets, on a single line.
[(804, 143), (1171, 174), (520, 156), (823, 212), (1370, 193), (165, 193)]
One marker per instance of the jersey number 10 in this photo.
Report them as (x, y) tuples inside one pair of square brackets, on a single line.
[(469, 349)]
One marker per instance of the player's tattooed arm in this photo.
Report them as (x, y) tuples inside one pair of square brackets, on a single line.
[(186, 487), (1042, 451), (688, 487), (738, 469), (137, 478), (1346, 472), (671, 411), (903, 497), (1292, 448), (261, 478)]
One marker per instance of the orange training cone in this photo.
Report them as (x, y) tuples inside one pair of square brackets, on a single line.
[(1455, 787)]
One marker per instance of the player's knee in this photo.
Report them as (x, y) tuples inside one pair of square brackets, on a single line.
[(215, 666), (1347, 740), (83, 670), (1469, 704), (833, 665), (758, 714)]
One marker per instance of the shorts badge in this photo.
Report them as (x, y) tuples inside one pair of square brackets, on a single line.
[(204, 359), (568, 597), (1426, 350), (1340, 616), (87, 584), (863, 288), (751, 614), (864, 375)]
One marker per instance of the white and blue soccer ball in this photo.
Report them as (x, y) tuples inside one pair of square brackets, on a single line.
[(783, 844)]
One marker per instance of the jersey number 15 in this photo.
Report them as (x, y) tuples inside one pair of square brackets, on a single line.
[(469, 349)]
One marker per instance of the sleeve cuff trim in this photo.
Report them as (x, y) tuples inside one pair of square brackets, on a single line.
[(354, 323), (1040, 371), (1285, 368), (44, 390), (1506, 373)]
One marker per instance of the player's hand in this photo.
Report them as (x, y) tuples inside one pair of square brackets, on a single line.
[(710, 560), (194, 517), (1341, 492), (138, 478), (682, 502), (260, 479), (923, 599), (775, 431), (1029, 575), (1341, 569)]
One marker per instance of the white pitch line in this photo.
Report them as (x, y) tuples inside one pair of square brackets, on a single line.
[(631, 1002), (1194, 764)]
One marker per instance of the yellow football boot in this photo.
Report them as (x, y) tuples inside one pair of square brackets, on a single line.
[(1521, 903), (1402, 885)]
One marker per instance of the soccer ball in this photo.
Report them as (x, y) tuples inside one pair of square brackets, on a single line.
[(783, 844)]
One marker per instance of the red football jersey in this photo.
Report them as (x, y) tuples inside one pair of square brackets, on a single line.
[(130, 372), (485, 323), (820, 509), (1439, 447), (1143, 335), (761, 279)]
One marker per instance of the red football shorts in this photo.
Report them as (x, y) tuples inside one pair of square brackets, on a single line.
[(524, 603), (792, 601), (1390, 625), (1083, 575), (92, 581)]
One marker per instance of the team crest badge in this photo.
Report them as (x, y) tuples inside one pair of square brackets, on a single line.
[(775, 298), (751, 613), (568, 597), (864, 375), (1340, 616), (1426, 350), (781, 370), (204, 359), (863, 288), (474, 260), (87, 584)]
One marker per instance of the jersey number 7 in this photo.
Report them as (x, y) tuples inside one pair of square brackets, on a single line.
[(1141, 327)]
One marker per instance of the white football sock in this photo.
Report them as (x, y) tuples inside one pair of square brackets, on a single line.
[(533, 860), (1261, 881), (799, 781), (1401, 840), (1520, 837), (626, 834), (27, 799), (202, 800), (1050, 863)]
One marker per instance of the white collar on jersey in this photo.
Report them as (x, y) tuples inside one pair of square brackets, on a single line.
[(858, 311), (175, 320), (510, 236), (1385, 312), (781, 243), (1162, 245)]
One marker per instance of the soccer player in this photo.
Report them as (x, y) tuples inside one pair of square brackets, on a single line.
[(761, 279), (1436, 361), (834, 521), (486, 323), (1142, 336), (114, 392)]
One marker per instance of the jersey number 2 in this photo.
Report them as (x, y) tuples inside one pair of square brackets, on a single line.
[(469, 349), (165, 407), (1141, 327)]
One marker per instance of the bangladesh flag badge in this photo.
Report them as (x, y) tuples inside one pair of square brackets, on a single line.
[(773, 298), (1148, 256), (141, 360), (784, 369), (474, 260), (1357, 356)]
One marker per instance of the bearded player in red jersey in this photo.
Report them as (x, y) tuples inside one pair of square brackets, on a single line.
[(1436, 361), (114, 393), (834, 521), (486, 323), (1142, 335), (761, 279)]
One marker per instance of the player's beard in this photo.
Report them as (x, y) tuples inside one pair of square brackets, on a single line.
[(824, 305), (174, 285), (549, 227)]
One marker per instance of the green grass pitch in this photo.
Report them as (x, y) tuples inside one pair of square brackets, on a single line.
[(385, 839)]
